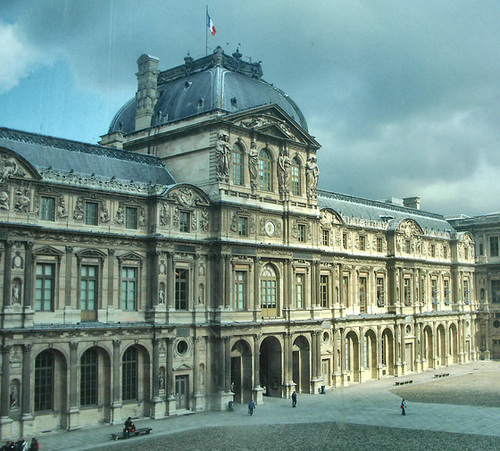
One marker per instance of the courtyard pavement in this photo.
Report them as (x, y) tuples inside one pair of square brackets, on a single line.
[(374, 403)]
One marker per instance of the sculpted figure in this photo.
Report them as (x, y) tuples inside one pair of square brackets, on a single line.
[(78, 214), (8, 167), (284, 164), (253, 164), (22, 202), (4, 200), (223, 150), (61, 209), (312, 176)]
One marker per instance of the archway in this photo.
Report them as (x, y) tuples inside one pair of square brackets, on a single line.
[(441, 345), (352, 355), (388, 351), (454, 343), (136, 376), (428, 350), (241, 371), (301, 365), (270, 366), (370, 344)]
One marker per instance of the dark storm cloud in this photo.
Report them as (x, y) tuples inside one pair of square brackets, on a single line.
[(403, 96)]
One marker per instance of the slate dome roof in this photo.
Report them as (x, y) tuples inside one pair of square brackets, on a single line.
[(216, 82)]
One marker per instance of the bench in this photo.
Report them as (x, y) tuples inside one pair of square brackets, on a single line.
[(136, 433), (403, 382), (441, 375)]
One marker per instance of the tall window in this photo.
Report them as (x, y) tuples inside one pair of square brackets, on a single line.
[(268, 288), (407, 291), (435, 293), (345, 290), (445, 251), (380, 247), (184, 220), (380, 292), (129, 288), (131, 217), (265, 170), (362, 294), (181, 289), (446, 286), (44, 381), (295, 176), (481, 249), (301, 233), (88, 287), (48, 209), (466, 291), (362, 243), (129, 374), (91, 213), (88, 378), (326, 238), (493, 246), (242, 226), (323, 290), (408, 246), (299, 291), (237, 165), (44, 286), (240, 289), (495, 291), (433, 250), (344, 240)]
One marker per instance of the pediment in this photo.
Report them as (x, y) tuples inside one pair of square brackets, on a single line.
[(272, 120), (130, 256), (14, 167), (48, 250), (182, 367), (187, 196)]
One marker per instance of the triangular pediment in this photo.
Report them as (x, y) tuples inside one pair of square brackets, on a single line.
[(182, 367), (13, 166), (272, 120)]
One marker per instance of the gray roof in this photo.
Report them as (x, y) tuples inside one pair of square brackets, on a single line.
[(214, 83), (62, 155), (382, 215)]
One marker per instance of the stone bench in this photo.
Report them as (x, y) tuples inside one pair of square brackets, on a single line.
[(136, 433), (403, 382), (441, 375)]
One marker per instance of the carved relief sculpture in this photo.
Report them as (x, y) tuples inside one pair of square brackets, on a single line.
[(312, 176), (284, 164), (253, 164), (223, 150), (23, 201), (61, 209), (204, 221), (4, 200), (119, 214), (78, 213), (8, 168)]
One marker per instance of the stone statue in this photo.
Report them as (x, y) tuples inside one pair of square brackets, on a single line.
[(104, 215), (78, 213), (61, 209), (223, 151), (312, 176), (253, 164), (8, 168), (284, 164), (4, 200), (22, 202), (161, 296)]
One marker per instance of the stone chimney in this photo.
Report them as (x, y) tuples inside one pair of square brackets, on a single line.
[(147, 92), (412, 202)]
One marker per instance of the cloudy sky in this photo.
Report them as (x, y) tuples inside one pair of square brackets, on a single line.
[(404, 96)]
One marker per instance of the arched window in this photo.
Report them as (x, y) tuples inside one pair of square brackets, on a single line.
[(268, 291), (265, 170), (44, 381), (238, 165), (129, 374), (88, 378), (295, 172)]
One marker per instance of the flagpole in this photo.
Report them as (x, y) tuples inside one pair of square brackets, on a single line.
[(206, 30)]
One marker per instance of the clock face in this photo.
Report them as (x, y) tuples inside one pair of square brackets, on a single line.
[(269, 228)]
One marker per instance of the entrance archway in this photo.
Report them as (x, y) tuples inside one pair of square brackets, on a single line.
[(371, 353), (441, 345), (454, 343), (388, 351), (352, 355), (301, 365), (270, 366), (241, 371), (428, 347)]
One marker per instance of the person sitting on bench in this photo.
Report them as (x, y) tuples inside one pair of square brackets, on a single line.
[(129, 427)]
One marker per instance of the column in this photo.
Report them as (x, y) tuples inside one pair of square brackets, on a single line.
[(197, 396), (156, 369), (73, 411), (171, 399), (257, 390), (28, 277), (26, 385), (5, 396), (7, 275), (227, 364), (170, 281), (116, 402), (319, 376)]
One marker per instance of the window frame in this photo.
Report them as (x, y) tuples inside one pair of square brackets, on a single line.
[(265, 172), (89, 378), (238, 165), (130, 374), (44, 382), (301, 233), (47, 212), (295, 171), (131, 217), (91, 213), (242, 226), (45, 278), (181, 289), (493, 246), (184, 221), (324, 290), (240, 289)]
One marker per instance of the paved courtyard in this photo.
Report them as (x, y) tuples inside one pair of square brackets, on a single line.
[(461, 411)]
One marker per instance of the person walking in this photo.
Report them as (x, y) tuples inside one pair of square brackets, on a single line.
[(251, 406), (34, 445), (403, 407), (294, 399)]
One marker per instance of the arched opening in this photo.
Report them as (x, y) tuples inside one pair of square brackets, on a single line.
[(370, 344), (295, 176), (265, 170), (441, 345), (454, 343), (270, 366), (237, 163), (352, 355), (136, 381), (269, 291), (428, 347), (388, 351), (301, 365), (241, 371)]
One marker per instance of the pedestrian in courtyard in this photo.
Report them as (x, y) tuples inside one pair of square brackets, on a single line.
[(403, 407), (251, 406), (294, 399), (34, 445)]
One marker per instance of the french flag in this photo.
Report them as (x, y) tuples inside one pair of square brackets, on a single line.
[(210, 25)]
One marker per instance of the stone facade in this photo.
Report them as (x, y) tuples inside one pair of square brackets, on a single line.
[(146, 292)]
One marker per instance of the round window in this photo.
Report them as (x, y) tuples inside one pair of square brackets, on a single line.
[(326, 337), (182, 347), (496, 324)]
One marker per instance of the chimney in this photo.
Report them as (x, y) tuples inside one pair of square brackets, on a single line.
[(147, 92), (412, 202)]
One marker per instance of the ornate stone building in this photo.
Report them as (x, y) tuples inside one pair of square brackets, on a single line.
[(486, 231), (190, 260)]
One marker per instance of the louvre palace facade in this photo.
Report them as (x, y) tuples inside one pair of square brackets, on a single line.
[(190, 260)]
